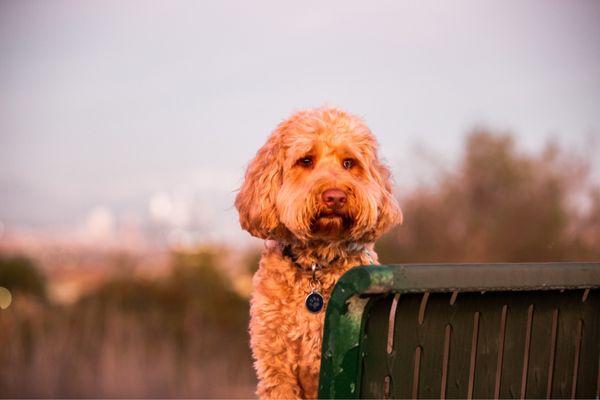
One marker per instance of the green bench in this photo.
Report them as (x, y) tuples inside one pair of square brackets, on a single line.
[(463, 331)]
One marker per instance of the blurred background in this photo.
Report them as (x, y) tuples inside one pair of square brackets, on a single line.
[(125, 128)]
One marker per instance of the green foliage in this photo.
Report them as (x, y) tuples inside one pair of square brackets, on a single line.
[(195, 284), (199, 276), (19, 274), (500, 206)]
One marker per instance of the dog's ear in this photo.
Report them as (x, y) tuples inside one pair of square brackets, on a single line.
[(389, 213), (256, 199)]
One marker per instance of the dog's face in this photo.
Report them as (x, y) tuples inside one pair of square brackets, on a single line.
[(318, 177)]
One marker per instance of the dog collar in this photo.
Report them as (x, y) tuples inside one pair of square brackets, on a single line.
[(286, 251), (314, 301)]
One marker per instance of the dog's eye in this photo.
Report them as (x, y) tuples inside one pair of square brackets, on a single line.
[(348, 163), (305, 161)]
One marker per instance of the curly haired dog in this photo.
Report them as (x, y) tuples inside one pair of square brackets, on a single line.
[(320, 196)]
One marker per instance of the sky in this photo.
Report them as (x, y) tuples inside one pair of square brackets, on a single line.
[(140, 111)]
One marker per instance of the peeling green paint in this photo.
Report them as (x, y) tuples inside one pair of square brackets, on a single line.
[(356, 306), (381, 280), (345, 314)]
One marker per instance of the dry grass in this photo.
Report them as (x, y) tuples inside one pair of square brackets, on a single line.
[(131, 338)]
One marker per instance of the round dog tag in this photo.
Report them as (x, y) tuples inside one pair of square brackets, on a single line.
[(314, 302)]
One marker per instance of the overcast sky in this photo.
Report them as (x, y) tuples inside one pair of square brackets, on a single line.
[(133, 106)]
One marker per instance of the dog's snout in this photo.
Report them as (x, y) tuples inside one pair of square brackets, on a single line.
[(334, 198)]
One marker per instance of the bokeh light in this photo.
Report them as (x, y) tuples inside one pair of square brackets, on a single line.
[(5, 298)]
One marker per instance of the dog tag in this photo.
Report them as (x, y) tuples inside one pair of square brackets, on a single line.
[(314, 302)]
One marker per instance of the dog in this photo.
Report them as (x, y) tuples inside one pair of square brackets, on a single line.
[(320, 196)]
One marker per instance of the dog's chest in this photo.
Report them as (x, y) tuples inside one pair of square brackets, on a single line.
[(309, 332)]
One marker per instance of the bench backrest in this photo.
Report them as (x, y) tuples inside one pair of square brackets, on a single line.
[(463, 331)]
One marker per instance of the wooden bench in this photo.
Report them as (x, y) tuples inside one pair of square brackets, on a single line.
[(463, 331)]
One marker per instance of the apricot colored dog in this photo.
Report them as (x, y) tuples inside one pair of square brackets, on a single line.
[(320, 196)]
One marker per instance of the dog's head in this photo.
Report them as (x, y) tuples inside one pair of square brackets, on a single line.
[(318, 177)]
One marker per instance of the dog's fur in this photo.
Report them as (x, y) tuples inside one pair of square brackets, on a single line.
[(281, 200)]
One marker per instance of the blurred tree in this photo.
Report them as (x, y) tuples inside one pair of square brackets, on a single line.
[(251, 261), (19, 274), (198, 274), (196, 283), (179, 335), (500, 206)]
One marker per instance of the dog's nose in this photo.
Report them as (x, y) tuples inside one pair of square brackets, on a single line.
[(334, 198)]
